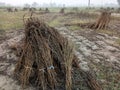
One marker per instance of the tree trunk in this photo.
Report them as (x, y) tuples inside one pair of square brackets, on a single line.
[(88, 3)]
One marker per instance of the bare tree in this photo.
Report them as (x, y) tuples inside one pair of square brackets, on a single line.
[(88, 3), (35, 4), (27, 5)]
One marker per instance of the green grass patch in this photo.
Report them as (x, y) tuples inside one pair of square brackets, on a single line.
[(109, 77), (74, 27), (56, 22), (106, 31), (12, 20), (118, 41), (75, 21)]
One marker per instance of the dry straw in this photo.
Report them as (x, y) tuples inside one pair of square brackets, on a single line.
[(103, 21), (46, 58)]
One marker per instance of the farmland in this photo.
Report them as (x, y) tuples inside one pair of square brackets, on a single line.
[(98, 50)]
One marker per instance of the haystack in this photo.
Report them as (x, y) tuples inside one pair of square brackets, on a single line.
[(32, 9), (47, 10), (9, 9), (103, 20), (15, 10), (40, 9), (62, 10), (25, 9), (46, 59)]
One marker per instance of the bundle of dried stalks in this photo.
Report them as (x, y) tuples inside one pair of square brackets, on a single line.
[(9, 9), (47, 10), (62, 10), (46, 59), (68, 58), (15, 10), (103, 21)]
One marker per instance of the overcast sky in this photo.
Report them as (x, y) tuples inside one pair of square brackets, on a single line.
[(67, 2)]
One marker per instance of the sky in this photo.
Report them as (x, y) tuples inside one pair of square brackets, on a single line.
[(67, 2)]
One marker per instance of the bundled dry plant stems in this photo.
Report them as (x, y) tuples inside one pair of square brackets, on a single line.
[(62, 10), (46, 58), (103, 20)]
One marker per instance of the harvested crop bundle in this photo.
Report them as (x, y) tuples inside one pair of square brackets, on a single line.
[(46, 59), (62, 10), (47, 10), (103, 20)]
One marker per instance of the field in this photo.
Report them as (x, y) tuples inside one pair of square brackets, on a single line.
[(98, 50)]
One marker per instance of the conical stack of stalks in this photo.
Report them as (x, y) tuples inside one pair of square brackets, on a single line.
[(46, 58), (103, 20)]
